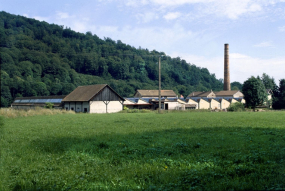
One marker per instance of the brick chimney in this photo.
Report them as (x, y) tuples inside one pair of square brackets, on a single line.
[(227, 82)]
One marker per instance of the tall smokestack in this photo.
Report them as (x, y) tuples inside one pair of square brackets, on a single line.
[(227, 82)]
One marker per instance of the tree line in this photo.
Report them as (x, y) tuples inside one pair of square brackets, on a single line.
[(39, 59), (256, 92)]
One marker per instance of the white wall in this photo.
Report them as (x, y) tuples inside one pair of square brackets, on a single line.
[(204, 104), (193, 102), (100, 107), (238, 94), (224, 104), (114, 106), (173, 105), (215, 104)]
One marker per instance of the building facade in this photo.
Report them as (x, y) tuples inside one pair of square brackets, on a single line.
[(100, 98)]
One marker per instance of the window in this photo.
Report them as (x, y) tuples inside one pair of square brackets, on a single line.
[(85, 110), (66, 108), (72, 108)]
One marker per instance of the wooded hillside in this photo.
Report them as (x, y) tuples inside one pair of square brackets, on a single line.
[(38, 58)]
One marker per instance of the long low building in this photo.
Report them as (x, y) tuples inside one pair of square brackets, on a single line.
[(37, 101), (213, 103), (211, 94), (153, 103)]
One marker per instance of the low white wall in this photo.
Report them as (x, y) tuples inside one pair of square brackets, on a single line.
[(114, 106), (215, 104), (100, 107), (173, 105), (204, 104)]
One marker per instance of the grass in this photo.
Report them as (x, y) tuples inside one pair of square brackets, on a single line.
[(144, 151), (13, 113)]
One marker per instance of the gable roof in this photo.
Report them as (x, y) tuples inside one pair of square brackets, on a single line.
[(154, 93), (188, 99), (136, 101), (86, 93), (226, 93), (194, 94), (198, 99), (211, 99), (200, 94)]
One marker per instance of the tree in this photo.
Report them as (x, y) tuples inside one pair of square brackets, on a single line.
[(6, 97), (4, 102), (254, 92), (38, 58), (278, 99), (236, 86), (269, 83)]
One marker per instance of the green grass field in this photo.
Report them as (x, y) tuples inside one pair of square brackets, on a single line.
[(144, 151)]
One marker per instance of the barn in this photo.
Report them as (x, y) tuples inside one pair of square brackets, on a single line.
[(99, 98)]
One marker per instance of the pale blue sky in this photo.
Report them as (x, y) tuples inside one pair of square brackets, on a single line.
[(195, 30)]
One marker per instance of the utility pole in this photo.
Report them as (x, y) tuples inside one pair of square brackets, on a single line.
[(159, 86)]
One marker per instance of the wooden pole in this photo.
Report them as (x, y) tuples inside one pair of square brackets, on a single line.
[(159, 85)]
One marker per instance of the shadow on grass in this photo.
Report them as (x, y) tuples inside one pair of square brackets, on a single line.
[(214, 158)]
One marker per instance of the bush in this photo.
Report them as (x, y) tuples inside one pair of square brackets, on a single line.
[(236, 107), (49, 105)]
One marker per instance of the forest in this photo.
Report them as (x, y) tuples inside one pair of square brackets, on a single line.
[(39, 59)]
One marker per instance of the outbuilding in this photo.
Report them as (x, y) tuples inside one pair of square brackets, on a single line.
[(99, 98), (37, 101), (137, 103)]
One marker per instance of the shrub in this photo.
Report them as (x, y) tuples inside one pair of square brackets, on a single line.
[(49, 105), (236, 107)]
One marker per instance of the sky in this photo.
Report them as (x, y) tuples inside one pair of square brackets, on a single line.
[(194, 30)]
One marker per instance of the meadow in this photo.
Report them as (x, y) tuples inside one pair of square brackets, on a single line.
[(144, 151)]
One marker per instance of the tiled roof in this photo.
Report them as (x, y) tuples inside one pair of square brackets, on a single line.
[(195, 94), (200, 94), (86, 93), (154, 93), (136, 100), (226, 93)]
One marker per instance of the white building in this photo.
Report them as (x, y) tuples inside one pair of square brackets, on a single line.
[(100, 98)]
